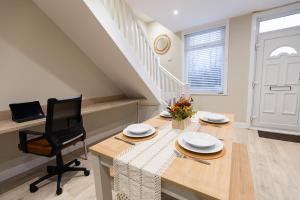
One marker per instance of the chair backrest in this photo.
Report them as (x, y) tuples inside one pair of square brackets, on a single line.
[(64, 120)]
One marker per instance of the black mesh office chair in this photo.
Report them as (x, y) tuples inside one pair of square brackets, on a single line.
[(64, 127)]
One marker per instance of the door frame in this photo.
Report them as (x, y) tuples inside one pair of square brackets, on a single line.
[(256, 18)]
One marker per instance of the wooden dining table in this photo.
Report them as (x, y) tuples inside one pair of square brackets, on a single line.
[(227, 177)]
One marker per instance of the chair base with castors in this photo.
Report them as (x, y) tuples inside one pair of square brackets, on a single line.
[(58, 171)]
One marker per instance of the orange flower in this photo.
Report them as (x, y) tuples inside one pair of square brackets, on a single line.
[(186, 109), (177, 104), (175, 108)]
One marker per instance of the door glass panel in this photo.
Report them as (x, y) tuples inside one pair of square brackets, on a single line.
[(283, 50), (279, 23)]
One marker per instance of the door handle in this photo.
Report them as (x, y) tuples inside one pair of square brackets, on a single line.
[(280, 88)]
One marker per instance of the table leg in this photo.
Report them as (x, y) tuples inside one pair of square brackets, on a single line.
[(102, 179)]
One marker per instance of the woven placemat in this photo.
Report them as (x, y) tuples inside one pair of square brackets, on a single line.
[(132, 139), (190, 154)]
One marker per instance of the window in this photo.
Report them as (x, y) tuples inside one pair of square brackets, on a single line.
[(279, 23), (204, 60), (283, 50)]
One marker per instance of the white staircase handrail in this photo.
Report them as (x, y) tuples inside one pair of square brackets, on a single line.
[(172, 76), (169, 86)]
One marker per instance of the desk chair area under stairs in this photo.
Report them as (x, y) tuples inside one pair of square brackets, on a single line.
[(64, 127)]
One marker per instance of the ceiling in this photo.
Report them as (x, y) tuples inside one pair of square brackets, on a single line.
[(198, 12)]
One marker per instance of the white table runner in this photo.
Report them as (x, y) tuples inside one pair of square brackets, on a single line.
[(138, 170)]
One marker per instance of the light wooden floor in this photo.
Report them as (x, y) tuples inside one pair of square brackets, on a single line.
[(275, 167)]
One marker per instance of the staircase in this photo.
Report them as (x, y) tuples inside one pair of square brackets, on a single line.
[(169, 86), (83, 20)]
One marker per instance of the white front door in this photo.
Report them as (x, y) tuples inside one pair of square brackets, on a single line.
[(277, 81)]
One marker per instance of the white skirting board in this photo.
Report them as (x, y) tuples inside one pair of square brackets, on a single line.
[(6, 174), (275, 130)]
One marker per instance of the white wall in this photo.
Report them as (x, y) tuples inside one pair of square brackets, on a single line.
[(172, 60), (38, 61), (238, 67)]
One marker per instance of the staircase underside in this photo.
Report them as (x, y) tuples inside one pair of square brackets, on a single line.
[(118, 62)]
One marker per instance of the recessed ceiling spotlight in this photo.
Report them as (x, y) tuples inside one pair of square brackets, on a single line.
[(175, 12)]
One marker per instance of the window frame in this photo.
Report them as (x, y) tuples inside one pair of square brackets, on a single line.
[(272, 14), (207, 28)]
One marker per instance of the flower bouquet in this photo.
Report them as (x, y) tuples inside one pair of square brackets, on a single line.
[(181, 112)]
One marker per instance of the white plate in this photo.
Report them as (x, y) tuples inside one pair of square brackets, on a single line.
[(203, 118), (213, 149), (138, 128), (215, 117), (165, 114), (199, 140), (148, 133)]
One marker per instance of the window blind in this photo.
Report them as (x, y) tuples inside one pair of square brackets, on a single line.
[(204, 60)]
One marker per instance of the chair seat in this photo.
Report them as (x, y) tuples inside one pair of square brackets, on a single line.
[(41, 146)]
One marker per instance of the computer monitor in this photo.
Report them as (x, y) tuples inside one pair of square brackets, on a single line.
[(22, 112)]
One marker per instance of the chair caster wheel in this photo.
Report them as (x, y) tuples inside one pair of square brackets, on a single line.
[(77, 162), (59, 191), (33, 188), (86, 172), (50, 170)]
